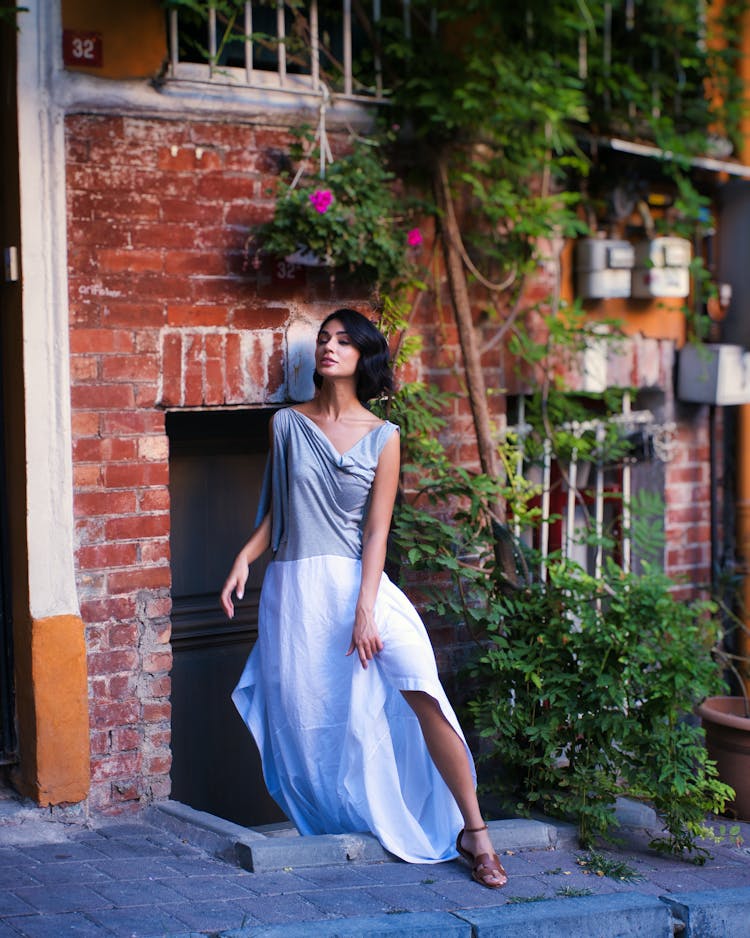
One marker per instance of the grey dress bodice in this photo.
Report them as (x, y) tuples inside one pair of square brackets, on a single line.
[(318, 497)]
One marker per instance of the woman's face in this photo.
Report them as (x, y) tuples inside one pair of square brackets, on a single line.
[(335, 354)]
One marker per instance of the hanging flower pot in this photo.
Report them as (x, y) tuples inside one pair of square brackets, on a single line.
[(348, 216)]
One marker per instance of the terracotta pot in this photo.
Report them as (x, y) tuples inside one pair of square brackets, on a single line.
[(728, 743)]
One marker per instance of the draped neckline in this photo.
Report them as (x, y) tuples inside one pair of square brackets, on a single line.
[(327, 439)]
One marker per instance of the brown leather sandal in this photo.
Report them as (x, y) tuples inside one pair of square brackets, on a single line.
[(483, 864)]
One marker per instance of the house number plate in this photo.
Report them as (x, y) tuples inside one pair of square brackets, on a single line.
[(82, 49)]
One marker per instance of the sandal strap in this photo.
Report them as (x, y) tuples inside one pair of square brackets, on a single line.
[(475, 830)]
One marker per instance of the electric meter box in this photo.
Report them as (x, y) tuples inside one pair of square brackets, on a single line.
[(714, 374), (603, 268), (662, 268)]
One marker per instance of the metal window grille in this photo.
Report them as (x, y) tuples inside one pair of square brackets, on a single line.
[(596, 478), (306, 74)]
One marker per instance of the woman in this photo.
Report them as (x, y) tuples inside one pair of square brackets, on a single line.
[(341, 690)]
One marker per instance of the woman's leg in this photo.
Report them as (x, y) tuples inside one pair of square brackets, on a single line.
[(449, 755)]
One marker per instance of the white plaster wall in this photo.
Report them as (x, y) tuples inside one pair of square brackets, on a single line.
[(49, 474)]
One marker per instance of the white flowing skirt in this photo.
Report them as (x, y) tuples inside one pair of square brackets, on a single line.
[(342, 751)]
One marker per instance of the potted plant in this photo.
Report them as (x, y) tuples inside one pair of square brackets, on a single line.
[(726, 718), (346, 214)]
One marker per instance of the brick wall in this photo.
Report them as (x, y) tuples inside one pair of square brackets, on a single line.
[(166, 313), (162, 314)]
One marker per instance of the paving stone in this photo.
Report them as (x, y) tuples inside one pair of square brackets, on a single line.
[(202, 865), (272, 910), (216, 916), (406, 898), (145, 868), (139, 923), (56, 926), (209, 887), (13, 905), (136, 892), (344, 901), (67, 872), (412, 872), (61, 898), (335, 877), (273, 884), (56, 853), (10, 877)]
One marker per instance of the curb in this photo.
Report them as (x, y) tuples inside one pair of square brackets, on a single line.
[(722, 914), (262, 853)]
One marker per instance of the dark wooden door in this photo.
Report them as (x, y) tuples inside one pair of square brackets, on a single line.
[(216, 468)]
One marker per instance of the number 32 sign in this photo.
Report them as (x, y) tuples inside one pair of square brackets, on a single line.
[(83, 49)]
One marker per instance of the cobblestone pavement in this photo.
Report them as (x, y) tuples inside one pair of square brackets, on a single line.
[(62, 874)]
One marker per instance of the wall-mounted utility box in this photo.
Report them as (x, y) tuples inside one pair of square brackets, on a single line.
[(714, 374), (662, 268), (603, 267)]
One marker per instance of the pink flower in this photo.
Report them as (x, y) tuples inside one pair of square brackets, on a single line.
[(414, 238), (321, 200)]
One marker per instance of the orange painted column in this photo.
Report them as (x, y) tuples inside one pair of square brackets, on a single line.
[(52, 708)]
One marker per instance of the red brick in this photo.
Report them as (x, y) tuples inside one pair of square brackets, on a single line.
[(106, 713), (160, 687), (130, 368), (235, 383), (129, 475), (133, 423), (112, 662), (115, 766), (102, 396), (265, 317), (193, 376), (167, 236), (154, 499), (124, 205), (103, 610), (148, 578), (121, 686), (125, 791), (158, 764), (155, 552), (83, 368), (157, 712), (126, 738), (158, 606), (116, 261), (106, 555), (195, 315), (98, 449), (104, 503), (134, 314), (157, 661), (183, 211), (195, 263), (137, 527), (99, 743), (217, 289), (147, 394), (85, 424), (86, 477), (123, 635), (172, 368), (228, 136), (97, 232), (223, 187)]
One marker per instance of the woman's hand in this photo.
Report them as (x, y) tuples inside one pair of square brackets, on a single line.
[(235, 582), (366, 640)]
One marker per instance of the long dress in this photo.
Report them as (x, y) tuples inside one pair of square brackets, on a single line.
[(341, 749)]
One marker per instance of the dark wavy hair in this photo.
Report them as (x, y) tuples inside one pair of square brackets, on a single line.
[(374, 374)]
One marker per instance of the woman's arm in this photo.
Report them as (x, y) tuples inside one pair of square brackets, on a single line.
[(259, 542), (365, 638)]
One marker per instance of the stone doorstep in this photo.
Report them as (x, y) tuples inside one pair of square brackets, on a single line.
[(695, 915), (279, 847)]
